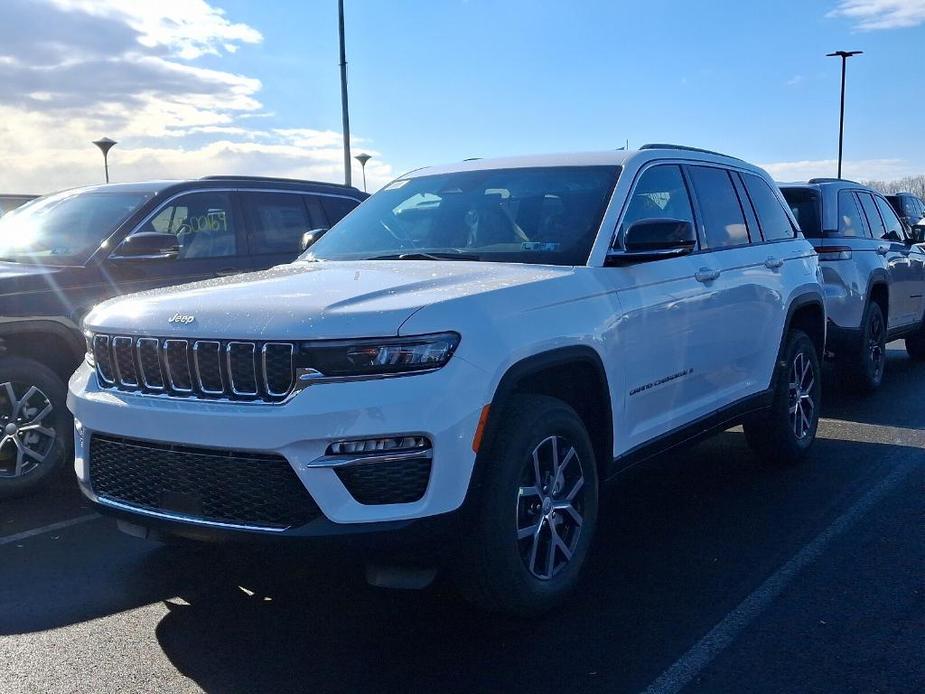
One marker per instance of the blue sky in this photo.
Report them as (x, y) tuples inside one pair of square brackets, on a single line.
[(440, 81)]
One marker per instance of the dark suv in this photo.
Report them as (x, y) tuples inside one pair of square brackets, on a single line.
[(65, 252), (911, 210)]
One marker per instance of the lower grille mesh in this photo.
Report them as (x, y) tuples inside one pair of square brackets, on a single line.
[(399, 482), (202, 484)]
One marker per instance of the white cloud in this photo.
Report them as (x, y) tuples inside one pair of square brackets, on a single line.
[(127, 70), (862, 169), (870, 15), (795, 80)]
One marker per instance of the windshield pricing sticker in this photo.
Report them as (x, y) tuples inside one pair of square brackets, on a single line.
[(395, 185), (540, 246)]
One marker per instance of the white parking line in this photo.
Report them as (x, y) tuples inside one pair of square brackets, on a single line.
[(10, 539), (692, 663)]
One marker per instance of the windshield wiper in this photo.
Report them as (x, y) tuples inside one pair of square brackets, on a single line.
[(420, 255)]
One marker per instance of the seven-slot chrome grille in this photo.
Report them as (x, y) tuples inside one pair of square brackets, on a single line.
[(211, 369)]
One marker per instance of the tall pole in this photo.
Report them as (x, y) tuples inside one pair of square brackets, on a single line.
[(105, 144), (363, 158), (343, 91), (844, 55)]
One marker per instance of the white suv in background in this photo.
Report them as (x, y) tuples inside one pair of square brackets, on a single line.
[(467, 355)]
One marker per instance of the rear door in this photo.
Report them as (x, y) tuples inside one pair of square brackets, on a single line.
[(276, 222), (913, 269)]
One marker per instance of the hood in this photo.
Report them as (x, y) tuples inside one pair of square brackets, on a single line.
[(309, 300)]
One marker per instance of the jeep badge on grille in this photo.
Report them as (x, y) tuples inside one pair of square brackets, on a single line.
[(181, 319)]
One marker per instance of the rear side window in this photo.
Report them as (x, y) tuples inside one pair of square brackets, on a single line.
[(278, 221), (203, 223), (850, 220), (873, 217), (894, 228), (723, 220), (775, 224), (337, 208), (804, 203), (660, 193)]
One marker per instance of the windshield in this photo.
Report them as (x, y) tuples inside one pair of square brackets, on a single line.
[(64, 228), (529, 215)]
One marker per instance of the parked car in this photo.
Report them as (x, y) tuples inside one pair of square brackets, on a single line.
[(63, 253), (874, 274), (911, 210), (466, 356)]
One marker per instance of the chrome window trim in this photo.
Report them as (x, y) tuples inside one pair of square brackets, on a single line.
[(253, 351), (157, 355), (117, 372), (170, 380), (263, 363), (218, 356)]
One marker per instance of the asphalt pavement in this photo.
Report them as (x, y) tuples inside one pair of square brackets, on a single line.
[(712, 573)]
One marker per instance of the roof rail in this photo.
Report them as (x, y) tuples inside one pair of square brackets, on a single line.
[(685, 148), (271, 179), (824, 179)]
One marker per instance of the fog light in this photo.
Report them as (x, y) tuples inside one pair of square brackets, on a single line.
[(392, 443)]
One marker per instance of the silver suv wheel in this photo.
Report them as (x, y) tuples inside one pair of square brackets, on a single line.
[(27, 435)]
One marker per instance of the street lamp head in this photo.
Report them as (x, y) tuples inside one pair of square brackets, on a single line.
[(105, 144), (363, 158), (843, 54)]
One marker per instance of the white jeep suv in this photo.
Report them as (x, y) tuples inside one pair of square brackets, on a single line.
[(466, 357)]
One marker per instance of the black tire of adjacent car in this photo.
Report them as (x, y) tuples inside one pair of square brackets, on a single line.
[(863, 368), (492, 572), (26, 373), (772, 434), (915, 345)]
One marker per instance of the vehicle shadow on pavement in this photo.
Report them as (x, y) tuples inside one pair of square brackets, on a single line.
[(682, 541)]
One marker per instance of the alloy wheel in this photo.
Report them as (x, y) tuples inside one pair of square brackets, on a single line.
[(26, 435), (875, 349), (550, 503), (802, 404)]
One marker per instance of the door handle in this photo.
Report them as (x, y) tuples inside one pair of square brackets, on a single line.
[(773, 263), (883, 250), (706, 275)]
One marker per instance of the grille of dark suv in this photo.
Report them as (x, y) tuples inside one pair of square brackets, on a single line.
[(398, 482), (215, 369), (254, 490)]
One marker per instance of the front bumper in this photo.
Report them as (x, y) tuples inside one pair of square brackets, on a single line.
[(443, 405)]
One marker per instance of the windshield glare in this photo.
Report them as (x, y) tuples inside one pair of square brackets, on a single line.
[(65, 228), (544, 215)]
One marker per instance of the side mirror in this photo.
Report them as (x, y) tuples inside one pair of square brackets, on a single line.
[(147, 245), (654, 239), (918, 231), (309, 237)]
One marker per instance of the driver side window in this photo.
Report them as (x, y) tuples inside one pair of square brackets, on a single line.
[(660, 193), (203, 223)]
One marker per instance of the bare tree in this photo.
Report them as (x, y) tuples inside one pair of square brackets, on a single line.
[(909, 184)]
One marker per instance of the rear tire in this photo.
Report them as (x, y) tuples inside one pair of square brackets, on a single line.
[(863, 369), (35, 426), (785, 432), (531, 520)]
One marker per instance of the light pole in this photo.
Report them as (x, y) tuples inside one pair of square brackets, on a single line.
[(363, 158), (105, 144), (343, 90), (844, 55)]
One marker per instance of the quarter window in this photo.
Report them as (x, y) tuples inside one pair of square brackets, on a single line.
[(279, 220), (336, 208), (203, 223), (723, 221), (850, 220), (660, 193), (775, 224)]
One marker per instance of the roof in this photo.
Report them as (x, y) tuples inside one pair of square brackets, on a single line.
[(615, 157)]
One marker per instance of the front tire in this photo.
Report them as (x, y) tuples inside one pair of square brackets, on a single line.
[(530, 524), (35, 426), (864, 368), (784, 434)]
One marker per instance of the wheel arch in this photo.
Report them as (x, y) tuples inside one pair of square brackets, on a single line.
[(807, 313), (59, 346)]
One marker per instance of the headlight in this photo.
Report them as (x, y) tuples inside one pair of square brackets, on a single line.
[(375, 357), (89, 357)]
